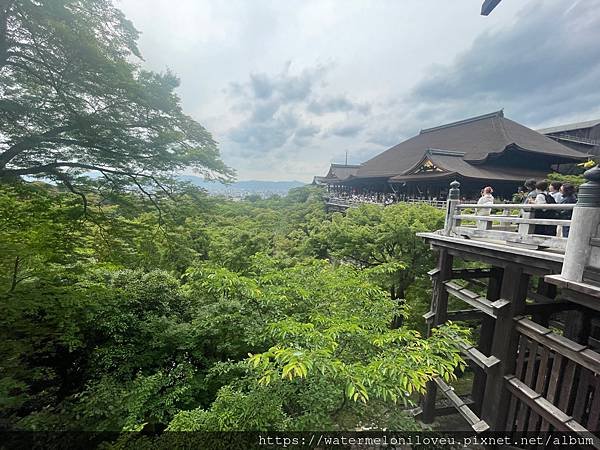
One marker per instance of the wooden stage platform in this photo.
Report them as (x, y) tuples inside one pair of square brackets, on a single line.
[(534, 302)]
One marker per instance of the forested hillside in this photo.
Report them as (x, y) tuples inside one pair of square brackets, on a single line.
[(224, 316), (129, 301)]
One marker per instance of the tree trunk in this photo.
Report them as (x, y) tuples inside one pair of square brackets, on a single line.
[(398, 297), (13, 284)]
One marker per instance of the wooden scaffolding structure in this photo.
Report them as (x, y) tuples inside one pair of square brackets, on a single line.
[(536, 299)]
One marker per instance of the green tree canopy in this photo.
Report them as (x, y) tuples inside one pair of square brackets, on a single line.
[(73, 100)]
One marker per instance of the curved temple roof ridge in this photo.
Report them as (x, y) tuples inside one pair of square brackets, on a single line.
[(437, 151), (499, 113), (478, 140)]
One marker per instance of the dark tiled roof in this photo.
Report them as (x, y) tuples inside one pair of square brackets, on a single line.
[(342, 171), (478, 137), (319, 180), (452, 164), (570, 127)]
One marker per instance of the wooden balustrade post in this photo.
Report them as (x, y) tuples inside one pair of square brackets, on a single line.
[(527, 228), (451, 207), (580, 254)]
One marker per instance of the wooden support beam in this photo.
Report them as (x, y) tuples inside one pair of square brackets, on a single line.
[(465, 314), (577, 326), (474, 299), (484, 362), (428, 316), (469, 274), (546, 293), (539, 298), (476, 423), (462, 314), (441, 408), (536, 309)]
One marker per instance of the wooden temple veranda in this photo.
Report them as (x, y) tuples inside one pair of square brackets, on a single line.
[(535, 300)]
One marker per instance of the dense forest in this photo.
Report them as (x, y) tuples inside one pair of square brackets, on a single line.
[(131, 301), (264, 314)]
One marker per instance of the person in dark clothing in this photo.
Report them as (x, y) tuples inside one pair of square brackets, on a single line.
[(543, 197), (568, 196)]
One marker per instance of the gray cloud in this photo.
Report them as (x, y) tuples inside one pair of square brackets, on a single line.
[(271, 104), (539, 60), (542, 68), (303, 135), (545, 66), (280, 109), (262, 136), (337, 104), (346, 130), (262, 86)]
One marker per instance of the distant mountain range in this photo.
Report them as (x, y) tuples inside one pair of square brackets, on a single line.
[(251, 186)]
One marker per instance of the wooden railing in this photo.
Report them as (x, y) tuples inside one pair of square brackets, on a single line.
[(511, 223), (435, 203), (556, 384), (349, 202)]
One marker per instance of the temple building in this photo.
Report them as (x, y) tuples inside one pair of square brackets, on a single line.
[(582, 136), (337, 173), (479, 151)]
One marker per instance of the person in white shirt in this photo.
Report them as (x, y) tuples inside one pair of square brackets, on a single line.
[(554, 191), (542, 193), (486, 199), (486, 196)]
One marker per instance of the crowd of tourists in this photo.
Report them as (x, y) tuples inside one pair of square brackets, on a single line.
[(532, 192), (379, 198), (540, 192)]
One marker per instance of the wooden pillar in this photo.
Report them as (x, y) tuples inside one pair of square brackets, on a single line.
[(504, 347), (439, 306), (451, 208), (578, 326), (486, 334), (548, 291)]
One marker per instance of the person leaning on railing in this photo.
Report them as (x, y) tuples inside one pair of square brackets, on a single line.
[(486, 198), (543, 197), (531, 191)]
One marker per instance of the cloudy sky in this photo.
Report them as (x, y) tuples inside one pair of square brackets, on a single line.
[(287, 87)]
